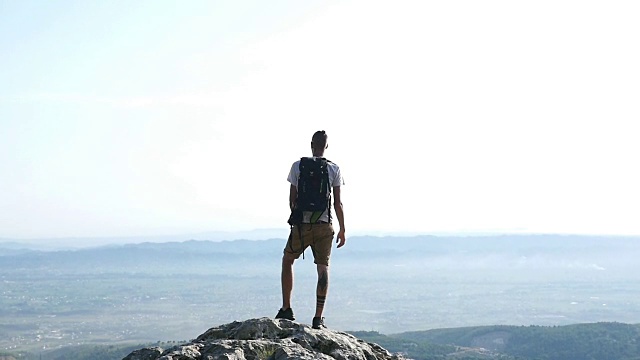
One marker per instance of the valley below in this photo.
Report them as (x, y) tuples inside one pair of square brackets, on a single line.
[(157, 292)]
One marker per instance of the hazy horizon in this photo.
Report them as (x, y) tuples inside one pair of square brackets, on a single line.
[(56, 243)]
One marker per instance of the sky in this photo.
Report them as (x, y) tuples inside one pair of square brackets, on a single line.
[(139, 118)]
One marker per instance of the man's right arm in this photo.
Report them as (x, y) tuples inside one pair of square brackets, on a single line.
[(337, 206)]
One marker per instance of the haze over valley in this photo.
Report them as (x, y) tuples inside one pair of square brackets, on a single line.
[(120, 294)]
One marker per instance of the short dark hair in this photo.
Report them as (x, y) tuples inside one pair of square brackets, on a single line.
[(319, 139)]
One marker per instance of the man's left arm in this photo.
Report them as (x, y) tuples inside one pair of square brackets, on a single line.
[(293, 196)]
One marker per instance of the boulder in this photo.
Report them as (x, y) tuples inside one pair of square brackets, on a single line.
[(269, 339)]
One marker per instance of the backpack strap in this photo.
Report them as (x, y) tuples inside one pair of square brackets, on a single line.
[(290, 240), (330, 191)]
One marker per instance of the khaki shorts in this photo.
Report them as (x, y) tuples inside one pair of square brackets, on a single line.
[(318, 236)]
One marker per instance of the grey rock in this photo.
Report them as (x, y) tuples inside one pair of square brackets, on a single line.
[(269, 339), (145, 354)]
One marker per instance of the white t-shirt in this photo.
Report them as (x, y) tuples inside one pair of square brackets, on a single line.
[(335, 179)]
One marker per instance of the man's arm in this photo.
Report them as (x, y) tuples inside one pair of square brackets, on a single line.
[(293, 196), (337, 205)]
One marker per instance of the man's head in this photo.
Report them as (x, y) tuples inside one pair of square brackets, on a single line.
[(319, 143)]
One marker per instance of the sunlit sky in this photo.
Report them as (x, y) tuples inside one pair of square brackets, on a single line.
[(135, 118)]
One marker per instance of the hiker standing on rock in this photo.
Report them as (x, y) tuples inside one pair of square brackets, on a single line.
[(313, 180)]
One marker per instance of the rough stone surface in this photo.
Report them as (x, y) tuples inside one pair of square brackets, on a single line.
[(269, 339)]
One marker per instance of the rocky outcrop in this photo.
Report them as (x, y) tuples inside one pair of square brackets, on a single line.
[(268, 339)]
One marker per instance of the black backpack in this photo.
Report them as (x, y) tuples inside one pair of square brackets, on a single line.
[(313, 184), (314, 190)]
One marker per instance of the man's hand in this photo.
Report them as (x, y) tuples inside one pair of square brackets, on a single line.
[(341, 239)]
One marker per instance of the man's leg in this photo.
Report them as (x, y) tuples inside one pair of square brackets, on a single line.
[(322, 288), (286, 279)]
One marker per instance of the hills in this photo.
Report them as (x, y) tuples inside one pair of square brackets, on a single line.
[(571, 342)]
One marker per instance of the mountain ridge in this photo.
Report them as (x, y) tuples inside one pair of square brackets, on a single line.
[(75, 243)]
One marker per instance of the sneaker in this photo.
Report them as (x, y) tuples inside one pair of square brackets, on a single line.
[(318, 323), (285, 314)]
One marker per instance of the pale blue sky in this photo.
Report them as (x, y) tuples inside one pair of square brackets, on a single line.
[(130, 118)]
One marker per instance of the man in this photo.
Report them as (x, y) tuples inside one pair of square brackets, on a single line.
[(317, 234)]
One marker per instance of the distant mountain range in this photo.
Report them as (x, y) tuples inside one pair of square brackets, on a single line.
[(522, 244), (70, 243), (67, 243), (512, 252)]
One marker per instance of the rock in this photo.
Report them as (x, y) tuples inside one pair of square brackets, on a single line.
[(145, 354), (269, 339)]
